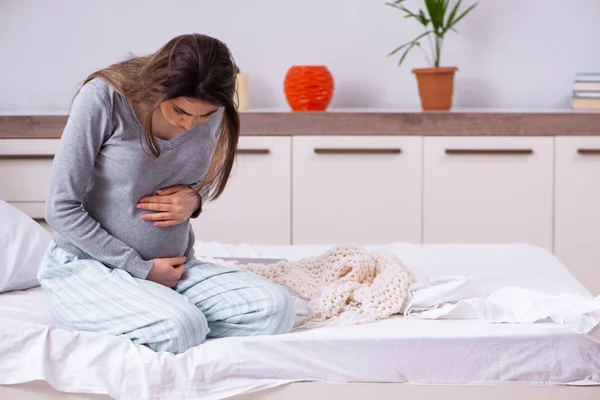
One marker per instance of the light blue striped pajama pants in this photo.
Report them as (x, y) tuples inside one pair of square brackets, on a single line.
[(209, 301)]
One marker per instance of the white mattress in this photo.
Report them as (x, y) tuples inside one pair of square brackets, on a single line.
[(395, 350)]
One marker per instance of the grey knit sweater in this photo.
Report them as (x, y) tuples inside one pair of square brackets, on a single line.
[(100, 172)]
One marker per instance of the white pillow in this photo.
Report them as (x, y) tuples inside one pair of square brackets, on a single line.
[(23, 243)]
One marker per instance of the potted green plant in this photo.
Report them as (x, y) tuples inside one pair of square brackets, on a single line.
[(436, 83)]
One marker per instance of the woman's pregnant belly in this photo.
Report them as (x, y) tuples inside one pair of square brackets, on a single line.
[(121, 219)]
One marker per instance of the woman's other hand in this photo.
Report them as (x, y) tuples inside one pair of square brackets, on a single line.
[(173, 205), (166, 271)]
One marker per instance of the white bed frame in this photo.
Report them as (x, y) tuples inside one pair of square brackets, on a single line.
[(40, 390)]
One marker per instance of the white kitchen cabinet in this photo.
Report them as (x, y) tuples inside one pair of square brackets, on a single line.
[(255, 206), (25, 166), (577, 211), (488, 189), (363, 189)]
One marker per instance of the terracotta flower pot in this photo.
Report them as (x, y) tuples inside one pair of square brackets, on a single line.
[(308, 87), (436, 87)]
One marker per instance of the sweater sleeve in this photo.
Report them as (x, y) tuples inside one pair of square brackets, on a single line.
[(198, 210), (190, 253), (88, 126)]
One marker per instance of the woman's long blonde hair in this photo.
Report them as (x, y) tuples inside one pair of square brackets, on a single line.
[(194, 66)]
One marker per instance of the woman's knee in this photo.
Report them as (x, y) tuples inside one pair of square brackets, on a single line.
[(176, 330), (280, 310)]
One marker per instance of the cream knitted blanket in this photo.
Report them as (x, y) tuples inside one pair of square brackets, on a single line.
[(346, 282)]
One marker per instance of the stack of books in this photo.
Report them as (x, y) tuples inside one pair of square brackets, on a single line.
[(586, 91)]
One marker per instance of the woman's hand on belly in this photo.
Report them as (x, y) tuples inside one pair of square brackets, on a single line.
[(173, 205), (166, 271)]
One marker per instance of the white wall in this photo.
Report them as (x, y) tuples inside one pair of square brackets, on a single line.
[(511, 53)]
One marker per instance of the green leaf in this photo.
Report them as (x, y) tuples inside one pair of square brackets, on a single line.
[(424, 20), (436, 11), (392, 5), (443, 13), (461, 16), (409, 14), (413, 44), (409, 43), (397, 49), (452, 14), (397, 5)]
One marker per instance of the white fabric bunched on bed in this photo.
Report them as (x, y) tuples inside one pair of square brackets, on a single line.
[(456, 298)]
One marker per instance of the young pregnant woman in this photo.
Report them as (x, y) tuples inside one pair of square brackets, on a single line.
[(146, 140)]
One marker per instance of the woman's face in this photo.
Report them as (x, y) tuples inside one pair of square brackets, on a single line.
[(185, 113)]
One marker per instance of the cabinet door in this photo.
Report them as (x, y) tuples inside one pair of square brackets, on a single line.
[(255, 206), (479, 189), (577, 237), (25, 166), (365, 190)]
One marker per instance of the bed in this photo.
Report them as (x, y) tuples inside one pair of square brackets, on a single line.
[(387, 359)]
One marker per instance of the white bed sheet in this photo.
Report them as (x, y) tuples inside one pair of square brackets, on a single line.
[(493, 266), (394, 350)]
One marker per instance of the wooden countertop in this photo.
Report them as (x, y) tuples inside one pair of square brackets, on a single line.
[(366, 122)]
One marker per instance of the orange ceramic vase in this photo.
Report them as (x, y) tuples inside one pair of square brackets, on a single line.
[(308, 87)]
